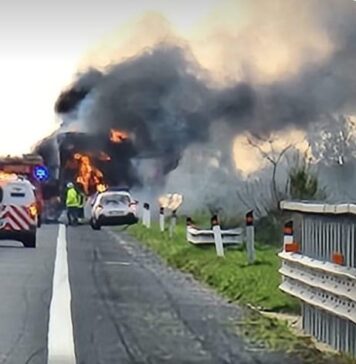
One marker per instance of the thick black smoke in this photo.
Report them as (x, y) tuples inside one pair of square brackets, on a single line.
[(161, 97), (166, 102), (68, 100)]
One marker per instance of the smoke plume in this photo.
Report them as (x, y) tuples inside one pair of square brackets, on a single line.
[(167, 101)]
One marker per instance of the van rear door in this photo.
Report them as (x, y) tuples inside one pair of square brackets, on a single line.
[(18, 207)]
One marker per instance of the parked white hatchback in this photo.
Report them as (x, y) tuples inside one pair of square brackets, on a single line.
[(113, 208)]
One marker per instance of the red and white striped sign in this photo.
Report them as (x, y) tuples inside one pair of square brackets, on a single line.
[(14, 217)]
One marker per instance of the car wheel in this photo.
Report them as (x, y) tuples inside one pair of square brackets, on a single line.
[(29, 241), (94, 224)]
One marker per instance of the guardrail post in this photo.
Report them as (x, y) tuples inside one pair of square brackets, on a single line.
[(161, 219), (217, 236), (250, 238), (173, 223)]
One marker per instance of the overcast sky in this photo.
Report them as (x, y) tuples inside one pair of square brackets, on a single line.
[(41, 45)]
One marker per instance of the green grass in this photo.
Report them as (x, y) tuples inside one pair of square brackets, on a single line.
[(231, 276), (276, 335), (255, 285)]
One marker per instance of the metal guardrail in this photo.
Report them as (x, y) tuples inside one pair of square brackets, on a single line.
[(322, 274), (318, 208), (322, 229), (327, 289), (321, 266), (219, 237), (201, 236), (323, 235), (331, 329)]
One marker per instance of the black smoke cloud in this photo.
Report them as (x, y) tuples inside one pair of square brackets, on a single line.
[(69, 99), (166, 101), (162, 97)]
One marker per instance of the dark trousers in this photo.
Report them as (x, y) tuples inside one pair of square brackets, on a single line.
[(72, 215), (81, 212)]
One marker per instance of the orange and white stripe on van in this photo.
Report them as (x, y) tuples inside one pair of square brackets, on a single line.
[(19, 218)]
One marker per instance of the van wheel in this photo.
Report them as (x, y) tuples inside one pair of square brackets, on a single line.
[(95, 225), (29, 241)]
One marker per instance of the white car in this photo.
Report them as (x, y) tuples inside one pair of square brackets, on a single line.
[(18, 212), (113, 208)]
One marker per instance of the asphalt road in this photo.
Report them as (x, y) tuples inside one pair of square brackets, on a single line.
[(93, 297)]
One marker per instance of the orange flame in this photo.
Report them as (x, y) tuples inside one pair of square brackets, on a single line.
[(88, 175), (6, 176), (117, 136), (101, 187)]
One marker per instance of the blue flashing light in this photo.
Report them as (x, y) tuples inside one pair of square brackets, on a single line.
[(41, 173)]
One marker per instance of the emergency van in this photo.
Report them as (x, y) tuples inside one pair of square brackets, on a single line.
[(18, 211)]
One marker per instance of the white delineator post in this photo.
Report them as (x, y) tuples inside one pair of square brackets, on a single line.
[(161, 219), (173, 223), (146, 215), (250, 238), (289, 245), (188, 223), (217, 236)]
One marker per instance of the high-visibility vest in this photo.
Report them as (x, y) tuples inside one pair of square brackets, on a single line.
[(72, 198), (81, 200)]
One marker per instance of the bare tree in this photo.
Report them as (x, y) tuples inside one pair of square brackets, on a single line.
[(334, 141), (255, 195), (272, 156)]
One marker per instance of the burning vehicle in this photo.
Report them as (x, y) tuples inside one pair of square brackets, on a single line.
[(96, 163), (93, 162)]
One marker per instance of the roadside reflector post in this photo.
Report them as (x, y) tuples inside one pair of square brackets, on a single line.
[(188, 224), (146, 215), (161, 219), (250, 238), (173, 223), (189, 221), (217, 236), (289, 245)]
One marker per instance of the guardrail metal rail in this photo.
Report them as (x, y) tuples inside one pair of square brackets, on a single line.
[(321, 271), (201, 236)]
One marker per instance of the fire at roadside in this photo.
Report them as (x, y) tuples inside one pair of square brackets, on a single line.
[(96, 162), (91, 164)]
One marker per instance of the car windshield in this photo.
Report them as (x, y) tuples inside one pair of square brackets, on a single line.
[(115, 200)]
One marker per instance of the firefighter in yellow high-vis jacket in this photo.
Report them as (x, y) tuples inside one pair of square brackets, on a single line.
[(72, 204)]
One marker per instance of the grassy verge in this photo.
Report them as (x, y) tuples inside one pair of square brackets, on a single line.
[(256, 285), (231, 276), (276, 335)]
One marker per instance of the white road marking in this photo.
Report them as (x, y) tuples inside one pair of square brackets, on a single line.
[(117, 263), (60, 327)]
